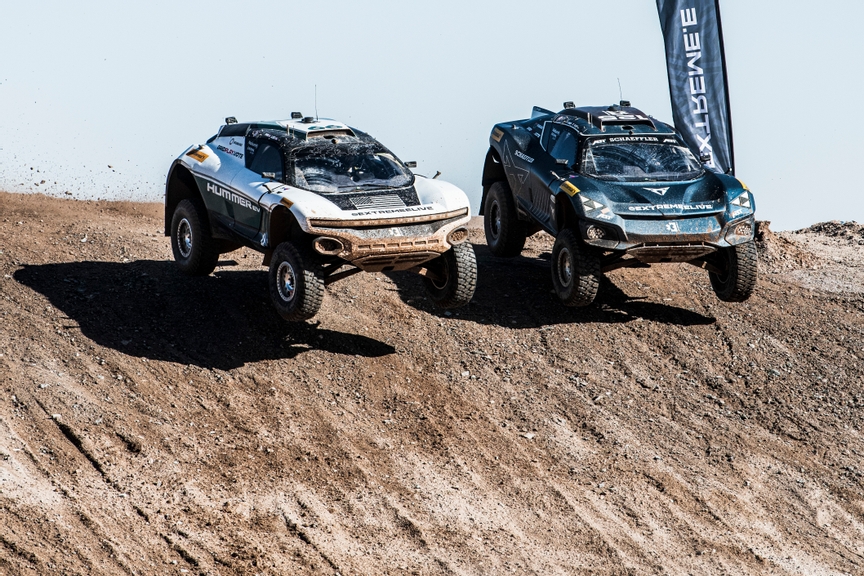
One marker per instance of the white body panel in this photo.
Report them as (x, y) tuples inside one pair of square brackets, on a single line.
[(368, 235)]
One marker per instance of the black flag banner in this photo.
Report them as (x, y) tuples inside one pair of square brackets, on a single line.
[(696, 63)]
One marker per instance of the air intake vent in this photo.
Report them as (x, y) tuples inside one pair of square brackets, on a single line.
[(378, 202)]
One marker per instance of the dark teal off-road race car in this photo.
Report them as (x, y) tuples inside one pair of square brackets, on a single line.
[(616, 188)]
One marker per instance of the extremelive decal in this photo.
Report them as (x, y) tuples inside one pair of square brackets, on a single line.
[(651, 207), (394, 211), (697, 78)]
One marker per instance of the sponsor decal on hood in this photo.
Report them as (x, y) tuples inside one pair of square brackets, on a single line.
[(670, 206), (395, 211)]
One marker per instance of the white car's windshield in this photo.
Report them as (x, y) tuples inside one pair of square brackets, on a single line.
[(639, 162), (345, 168)]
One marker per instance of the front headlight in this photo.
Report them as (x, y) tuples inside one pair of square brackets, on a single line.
[(742, 231), (594, 209), (742, 201)]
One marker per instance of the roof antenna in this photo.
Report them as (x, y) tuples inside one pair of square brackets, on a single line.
[(622, 102), (316, 102)]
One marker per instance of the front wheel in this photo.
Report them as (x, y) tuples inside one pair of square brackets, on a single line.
[(195, 251), (738, 280), (505, 234), (453, 277), (296, 283), (575, 270)]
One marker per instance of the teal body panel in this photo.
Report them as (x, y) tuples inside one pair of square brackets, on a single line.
[(705, 210)]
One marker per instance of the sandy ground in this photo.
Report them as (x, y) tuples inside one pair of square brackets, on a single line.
[(156, 424)]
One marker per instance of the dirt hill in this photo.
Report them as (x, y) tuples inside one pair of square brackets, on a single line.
[(156, 424)]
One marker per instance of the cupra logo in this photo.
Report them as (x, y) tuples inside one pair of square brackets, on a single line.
[(660, 191)]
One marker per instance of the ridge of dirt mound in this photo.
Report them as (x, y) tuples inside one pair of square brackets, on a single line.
[(779, 252), (833, 259), (156, 424), (850, 232)]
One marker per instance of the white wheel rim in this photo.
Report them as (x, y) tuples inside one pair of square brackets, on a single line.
[(184, 238)]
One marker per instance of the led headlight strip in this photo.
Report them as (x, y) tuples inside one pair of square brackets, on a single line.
[(590, 205), (742, 200)]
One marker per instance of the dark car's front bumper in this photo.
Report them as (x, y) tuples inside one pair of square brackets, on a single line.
[(668, 240)]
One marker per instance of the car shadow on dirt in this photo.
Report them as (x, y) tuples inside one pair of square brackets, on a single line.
[(147, 309), (518, 293)]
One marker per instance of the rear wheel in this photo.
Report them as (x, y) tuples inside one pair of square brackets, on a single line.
[(738, 281), (453, 277), (296, 282), (195, 251), (575, 270), (505, 235)]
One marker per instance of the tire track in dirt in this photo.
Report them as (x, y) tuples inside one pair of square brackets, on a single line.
[(658, 430)]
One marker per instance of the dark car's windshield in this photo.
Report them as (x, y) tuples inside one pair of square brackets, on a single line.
[(639, 162), (333, 169)]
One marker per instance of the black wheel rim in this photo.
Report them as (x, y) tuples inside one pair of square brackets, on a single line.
[(725, 276), (564, 267), (441, 276), (495, 220)]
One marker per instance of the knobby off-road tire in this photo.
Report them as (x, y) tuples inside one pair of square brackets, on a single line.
[(296, 282), (456, 277), (738, 281), (195, 251), (505, 234), (575, 270)]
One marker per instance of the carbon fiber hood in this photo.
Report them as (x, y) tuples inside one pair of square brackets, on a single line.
[(705, 195), (386, 198)]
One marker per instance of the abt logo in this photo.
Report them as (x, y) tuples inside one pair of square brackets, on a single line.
[(672, 227)]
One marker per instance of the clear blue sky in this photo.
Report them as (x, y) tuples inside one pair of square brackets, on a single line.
[(85, 85)]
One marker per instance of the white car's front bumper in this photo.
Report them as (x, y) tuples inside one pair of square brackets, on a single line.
[(385, 244)]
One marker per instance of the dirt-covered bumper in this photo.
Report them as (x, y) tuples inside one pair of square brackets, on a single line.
[(669, 240), (383, 244)]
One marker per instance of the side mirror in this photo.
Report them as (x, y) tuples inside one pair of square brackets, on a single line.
[(562, 161), (270, 175), (411, 164), (705, 158), (522, 138)]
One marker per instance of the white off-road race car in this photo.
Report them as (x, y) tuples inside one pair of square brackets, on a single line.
[(321, 201)]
